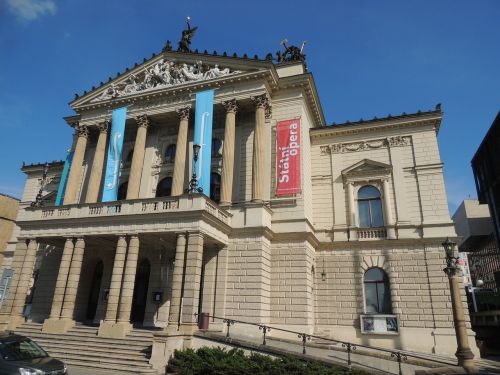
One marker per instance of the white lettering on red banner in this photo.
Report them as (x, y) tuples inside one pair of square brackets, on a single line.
[(288, 157)]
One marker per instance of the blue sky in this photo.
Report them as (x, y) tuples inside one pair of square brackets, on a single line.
[(369, 58)]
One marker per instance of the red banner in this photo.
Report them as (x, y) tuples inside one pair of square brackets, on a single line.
[(288, 157)]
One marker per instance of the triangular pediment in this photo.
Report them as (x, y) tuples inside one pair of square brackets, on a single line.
[(170, 70), (367, 167)]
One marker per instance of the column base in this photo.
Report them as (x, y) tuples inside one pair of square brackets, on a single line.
[(114, 330), (9, 322), (57, 326), (164, 345), (188, 328)]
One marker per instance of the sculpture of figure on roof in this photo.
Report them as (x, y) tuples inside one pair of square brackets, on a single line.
[(292, 53), (167, 47), (187, 36), (216, 72), (189, 72)]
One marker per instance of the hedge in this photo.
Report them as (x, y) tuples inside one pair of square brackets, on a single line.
[(218, 361)]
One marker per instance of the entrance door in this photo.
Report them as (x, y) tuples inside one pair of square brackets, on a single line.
[(140, 292), (94, 291)]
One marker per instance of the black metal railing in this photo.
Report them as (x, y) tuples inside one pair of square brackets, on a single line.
[(399, 356)]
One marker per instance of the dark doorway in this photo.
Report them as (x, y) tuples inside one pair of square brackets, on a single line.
[(140, 292), (95, 287)]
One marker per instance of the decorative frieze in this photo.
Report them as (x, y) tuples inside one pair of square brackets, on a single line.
[(163, 74), (340, 148)]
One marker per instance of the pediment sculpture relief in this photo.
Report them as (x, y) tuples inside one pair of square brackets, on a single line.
[(163, 74)]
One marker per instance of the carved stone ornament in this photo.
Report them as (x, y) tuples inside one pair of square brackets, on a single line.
[(399, 141), (231, 105), (104, 126), (184, 113), (163, 74), (81, 130), (262, 101), (143, 121), (339, 148), (325, 150)]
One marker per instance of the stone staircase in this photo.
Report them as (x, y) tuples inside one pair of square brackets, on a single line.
[(81, 346)]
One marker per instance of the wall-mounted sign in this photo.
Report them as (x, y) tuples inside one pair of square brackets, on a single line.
[(288, 157), (380, 324)]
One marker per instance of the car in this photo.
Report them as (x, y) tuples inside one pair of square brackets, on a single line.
[(19, 355)]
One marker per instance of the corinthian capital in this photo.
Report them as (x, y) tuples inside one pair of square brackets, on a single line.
[(231, 106), (184, 113), (103, 126), (262, 101), (143, 121), (81, 130)]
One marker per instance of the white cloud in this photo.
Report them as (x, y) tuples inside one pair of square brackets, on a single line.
[(29, 10)]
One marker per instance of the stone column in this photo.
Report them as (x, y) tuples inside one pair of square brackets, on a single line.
[(228, 152), (192, 281), (116, 279), (177, 284), (109, 327), (53, 324), (75, 269), (262, 110), (75, 173), (351, 207), (134, 181), (180, 153), (25, 275), (62, 279), (97, 164), (128, 281), (389, 221)]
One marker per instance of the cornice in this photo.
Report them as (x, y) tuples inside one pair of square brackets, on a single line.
[(305, 82), (402, 122)]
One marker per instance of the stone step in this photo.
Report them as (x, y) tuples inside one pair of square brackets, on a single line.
[(101, 357), (105, 366), (86, 337), (131, 353), (43, 341)]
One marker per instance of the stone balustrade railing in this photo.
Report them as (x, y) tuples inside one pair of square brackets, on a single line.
[(372, 233), (126, 207)]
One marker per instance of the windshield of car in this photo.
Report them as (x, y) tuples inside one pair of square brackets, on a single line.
[(20, 350)]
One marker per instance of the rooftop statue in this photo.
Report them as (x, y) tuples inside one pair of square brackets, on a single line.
[(291, 53), (187, 36)]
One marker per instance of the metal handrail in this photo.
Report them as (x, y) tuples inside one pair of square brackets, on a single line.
[(398, 355)]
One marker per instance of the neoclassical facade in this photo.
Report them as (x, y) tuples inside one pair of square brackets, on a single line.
[(355, 256)]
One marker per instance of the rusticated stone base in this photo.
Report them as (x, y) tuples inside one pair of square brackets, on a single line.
[(114, 330)]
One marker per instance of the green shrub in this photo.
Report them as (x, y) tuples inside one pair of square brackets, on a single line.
[(218, 361)]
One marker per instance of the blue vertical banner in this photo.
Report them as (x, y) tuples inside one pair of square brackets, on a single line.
[(112, 177), (64, 178), (203, 136)]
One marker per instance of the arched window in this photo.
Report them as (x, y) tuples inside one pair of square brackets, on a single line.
[(370, 207), (377, 292), (122, 191), (215, 187), (164, 187), (216, 147), (170, 153)]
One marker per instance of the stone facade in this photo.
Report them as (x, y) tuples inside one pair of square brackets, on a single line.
[(297, 262)]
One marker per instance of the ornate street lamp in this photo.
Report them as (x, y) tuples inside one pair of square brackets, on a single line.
[(38, 200), (463, 353), (193, 183)]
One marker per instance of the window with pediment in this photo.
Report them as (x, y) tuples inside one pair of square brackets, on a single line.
[(370, 207)]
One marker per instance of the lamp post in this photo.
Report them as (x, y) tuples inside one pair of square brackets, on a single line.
[(452, 269), (193, 183), (38, 200)]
